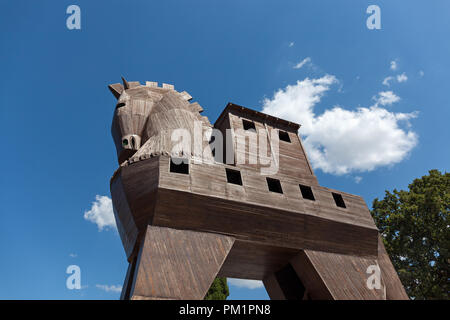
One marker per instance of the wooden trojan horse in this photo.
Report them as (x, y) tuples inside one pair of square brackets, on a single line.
[(184, 223)]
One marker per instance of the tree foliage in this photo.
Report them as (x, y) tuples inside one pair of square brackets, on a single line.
[(415, 229), (218, 290)]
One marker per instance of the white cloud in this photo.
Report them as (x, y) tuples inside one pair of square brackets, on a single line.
[(112, 288), (101, 213), (402, 77), (358, 179), (302, 63), (291, 44), (386, 80), (421, 73), (386, 98), (243, 283), (296, 101), (394, 65), (73, 255), (341, 141)]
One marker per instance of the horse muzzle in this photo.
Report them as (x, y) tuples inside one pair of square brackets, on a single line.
[(130, 144)]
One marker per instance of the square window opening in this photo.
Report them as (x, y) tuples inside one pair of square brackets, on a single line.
[(284, 136), (339, 200), (179, 165), (234, 177), (248, 125), (213, 150), (274, 185), (307, 192)]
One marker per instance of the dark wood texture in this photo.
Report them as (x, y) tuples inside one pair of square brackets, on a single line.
[(394, 287), (336, 276), (181, 225), (261, 225), (129, 279), (292, 159), (178, 264), (249, 260), (125, 220), (133, 191), (273, 288), (329, 276)]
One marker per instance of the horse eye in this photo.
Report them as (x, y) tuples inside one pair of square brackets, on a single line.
[(120, 105)]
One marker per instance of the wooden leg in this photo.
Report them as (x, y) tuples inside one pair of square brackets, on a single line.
[(273, 288), (330, 276), (344, 277), (177, 264), (394, 287), (127, 284)]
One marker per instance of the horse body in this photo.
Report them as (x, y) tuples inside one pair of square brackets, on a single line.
[(181, 228)]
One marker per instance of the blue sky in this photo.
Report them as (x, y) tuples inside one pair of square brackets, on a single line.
[(56, 110)]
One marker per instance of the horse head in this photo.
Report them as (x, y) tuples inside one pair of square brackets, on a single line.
[(134, 104), (149, 113)]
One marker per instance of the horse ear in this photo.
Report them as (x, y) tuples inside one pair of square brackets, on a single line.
[(126, 85), (116, 89)]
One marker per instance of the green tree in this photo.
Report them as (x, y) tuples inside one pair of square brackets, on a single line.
[(218, 290), (414, 225)]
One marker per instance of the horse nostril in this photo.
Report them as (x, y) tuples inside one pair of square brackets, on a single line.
[(124, 142), (132, 142)]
